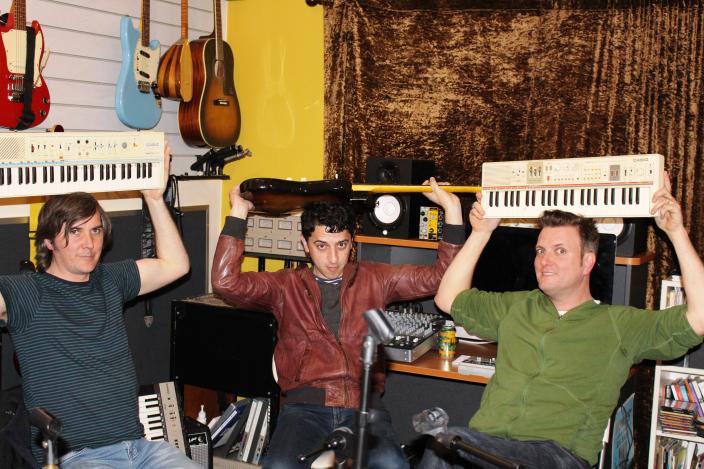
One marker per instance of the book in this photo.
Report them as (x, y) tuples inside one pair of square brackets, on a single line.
[(263, 438), (248, 430), (701, 386), (231, 440), (227, 419), (675, 389), (259, 431), (670, 405), (696, 396), (691, 397)]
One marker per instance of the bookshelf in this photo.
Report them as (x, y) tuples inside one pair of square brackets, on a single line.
[(671, 292), (665, 375)]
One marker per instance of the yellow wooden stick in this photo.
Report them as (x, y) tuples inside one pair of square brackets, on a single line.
[(391, 188)]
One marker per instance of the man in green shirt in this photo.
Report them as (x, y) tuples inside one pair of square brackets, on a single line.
[(562, 358)]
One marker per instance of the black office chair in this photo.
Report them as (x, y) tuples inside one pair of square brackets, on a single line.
[(15, 450)]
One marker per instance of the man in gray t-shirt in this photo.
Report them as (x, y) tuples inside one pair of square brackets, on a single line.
[(67, 324)]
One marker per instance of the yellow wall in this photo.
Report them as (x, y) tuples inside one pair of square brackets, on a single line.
[(278, 50)]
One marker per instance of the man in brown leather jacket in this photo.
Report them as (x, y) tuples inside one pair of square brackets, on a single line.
[(321, 327)]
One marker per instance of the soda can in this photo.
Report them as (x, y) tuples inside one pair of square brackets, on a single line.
[(447, 341)]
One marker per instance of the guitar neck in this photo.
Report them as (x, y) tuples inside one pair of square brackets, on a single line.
[(184, 19), (219, 54), (18, 11), (144, 22)]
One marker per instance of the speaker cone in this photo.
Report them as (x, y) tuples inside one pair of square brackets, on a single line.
[(388, 211)]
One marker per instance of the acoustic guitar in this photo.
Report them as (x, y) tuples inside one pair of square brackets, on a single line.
[(175, 76), (136, 104), (24, 101), (212, 117)]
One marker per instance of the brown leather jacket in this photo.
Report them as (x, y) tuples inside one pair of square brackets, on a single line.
[(307, 353)]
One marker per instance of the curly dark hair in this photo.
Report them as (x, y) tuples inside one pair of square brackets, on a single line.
[(63, 212), (336, 217), (588, 233)]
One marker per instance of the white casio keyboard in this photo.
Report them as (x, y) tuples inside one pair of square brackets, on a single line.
[(46, 163), (605, 186)]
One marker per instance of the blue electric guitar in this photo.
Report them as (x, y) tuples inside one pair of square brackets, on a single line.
[(137, 101)]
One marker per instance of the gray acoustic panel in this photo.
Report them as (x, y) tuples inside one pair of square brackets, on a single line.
[(150, 346)]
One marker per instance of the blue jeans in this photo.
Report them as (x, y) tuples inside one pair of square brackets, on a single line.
[(303, 428), (531, 454), (131, 454)]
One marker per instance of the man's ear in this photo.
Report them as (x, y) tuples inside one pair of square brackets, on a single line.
[(305, 245), (588, 262), (49, 245)]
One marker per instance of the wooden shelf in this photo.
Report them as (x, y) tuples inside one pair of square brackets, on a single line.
[(406, 243), (430, 364), (641, 259), (680, 436)]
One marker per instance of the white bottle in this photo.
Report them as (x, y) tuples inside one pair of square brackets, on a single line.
[(202, 418)]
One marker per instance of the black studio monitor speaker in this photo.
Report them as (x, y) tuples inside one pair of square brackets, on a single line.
[(395, 215), (631, 234), (633, 239)]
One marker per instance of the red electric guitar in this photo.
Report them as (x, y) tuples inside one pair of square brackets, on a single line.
[(24, 96)]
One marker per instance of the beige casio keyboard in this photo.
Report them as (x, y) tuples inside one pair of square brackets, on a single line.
[(605, 186), (46, 163), (160, 415)]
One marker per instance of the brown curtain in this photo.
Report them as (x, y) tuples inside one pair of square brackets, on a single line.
[(463, 82)]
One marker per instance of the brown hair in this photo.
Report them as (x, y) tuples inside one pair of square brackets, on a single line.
[(588, 233), (63, 212)]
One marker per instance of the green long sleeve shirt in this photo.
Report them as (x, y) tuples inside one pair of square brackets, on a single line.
[(559, 378)]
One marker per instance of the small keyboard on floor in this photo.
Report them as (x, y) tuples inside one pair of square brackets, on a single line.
[(475, 365)]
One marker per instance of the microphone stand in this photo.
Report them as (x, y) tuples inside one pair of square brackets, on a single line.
[(434, 422), (457, 443), (369, 347), (213, 161), (380, 332), (52, 462), (51, 428), (340, 462), (338, 441)]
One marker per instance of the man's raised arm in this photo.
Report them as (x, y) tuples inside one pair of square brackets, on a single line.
[(171, 260), (668, 217), (458, 276)]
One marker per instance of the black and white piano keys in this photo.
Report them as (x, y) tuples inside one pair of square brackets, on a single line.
[(13, 177), (633, 201), (150, 417)]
